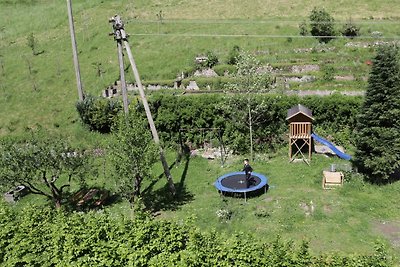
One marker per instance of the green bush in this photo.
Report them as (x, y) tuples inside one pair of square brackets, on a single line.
[(335, 114), (350, 30), (98, 113), (303, 28), (233, 55), (322, 25), (221, 69), (214, 83), (169, 83), (39, 236)]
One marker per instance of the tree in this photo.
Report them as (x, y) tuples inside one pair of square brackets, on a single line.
[(45, 165), (251, 79), (133, 154), (322, 25), (378, 127), (233, 55), (98, 113), (350, 29)]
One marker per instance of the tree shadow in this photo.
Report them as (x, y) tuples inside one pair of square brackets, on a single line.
[(93, 198), (162, 199)]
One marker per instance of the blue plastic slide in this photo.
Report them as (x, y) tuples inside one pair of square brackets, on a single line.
[(325, 142)]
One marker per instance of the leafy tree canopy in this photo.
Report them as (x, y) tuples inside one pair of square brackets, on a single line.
[(45, 165), (322, 25), (133, 153)]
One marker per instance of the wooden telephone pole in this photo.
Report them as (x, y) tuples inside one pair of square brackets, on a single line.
[(74, 52), (120, 36)]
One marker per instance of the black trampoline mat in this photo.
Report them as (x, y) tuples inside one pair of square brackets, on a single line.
[(238, 181)]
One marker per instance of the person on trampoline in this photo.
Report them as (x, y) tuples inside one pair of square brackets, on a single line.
[(247, 171)]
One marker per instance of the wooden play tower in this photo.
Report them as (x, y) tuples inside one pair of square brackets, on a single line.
[(300, 130)]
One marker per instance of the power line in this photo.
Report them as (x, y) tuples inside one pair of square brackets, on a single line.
[(397, 37), (214, 21)]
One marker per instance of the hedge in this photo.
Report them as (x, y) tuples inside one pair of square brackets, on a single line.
[(334, 115), (180, 118), (40, 236)]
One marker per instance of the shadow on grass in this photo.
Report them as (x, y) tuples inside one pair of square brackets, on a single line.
[(162, 199), (93, 198)]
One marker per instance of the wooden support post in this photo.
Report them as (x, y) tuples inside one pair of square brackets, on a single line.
[(122, 77), (120, 35), (74, 51)]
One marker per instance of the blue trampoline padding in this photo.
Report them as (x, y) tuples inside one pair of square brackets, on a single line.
[(218, 183)]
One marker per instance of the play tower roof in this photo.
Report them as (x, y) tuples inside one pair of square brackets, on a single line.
[(299, 113)]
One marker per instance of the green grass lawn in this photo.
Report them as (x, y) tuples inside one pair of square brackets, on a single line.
[(40, 91), (347, 220), (344, 219)]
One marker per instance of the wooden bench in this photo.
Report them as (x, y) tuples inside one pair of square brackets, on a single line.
[(332, 179)]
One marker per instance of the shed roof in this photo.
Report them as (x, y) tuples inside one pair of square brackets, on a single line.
[(297, 110)]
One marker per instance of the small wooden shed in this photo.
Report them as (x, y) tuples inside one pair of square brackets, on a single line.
[(300, 129)]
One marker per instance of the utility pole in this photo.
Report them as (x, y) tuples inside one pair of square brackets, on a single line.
[(122, 73), (74, 51), (120, 35)]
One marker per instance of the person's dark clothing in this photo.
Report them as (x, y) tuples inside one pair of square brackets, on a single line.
[(247, 170)]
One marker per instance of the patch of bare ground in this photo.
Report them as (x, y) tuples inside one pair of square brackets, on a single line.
[(390, 230)]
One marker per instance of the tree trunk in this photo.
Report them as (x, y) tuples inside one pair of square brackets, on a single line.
[(251, 133), (57, 202)]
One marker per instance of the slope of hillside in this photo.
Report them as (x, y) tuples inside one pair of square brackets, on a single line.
[(40, 89)]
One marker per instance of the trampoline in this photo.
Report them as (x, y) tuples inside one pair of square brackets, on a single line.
[(235, 182)]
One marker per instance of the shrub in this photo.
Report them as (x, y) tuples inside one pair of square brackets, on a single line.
[(212, 59), (39, 236), (98, 113), (303, 28), (328, 73), (335, 114), (222, 69), (233, 55), (350, 30), (322, 25)]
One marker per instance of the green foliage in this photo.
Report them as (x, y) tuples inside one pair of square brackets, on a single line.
[(250, 76), (350, 30), (98, 113), (303, 28), (132, 152), (45, 165), (39, 236), (222, 69), (378, 127), (212, 59), (233, 55), (328, 73), (322, 25), (215, 83), (336, 115)]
